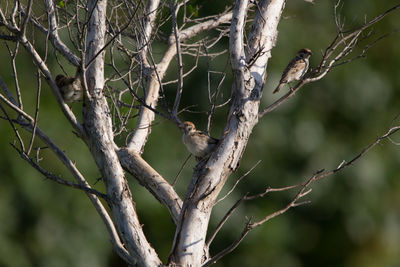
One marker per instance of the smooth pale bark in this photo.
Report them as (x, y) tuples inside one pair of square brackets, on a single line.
[(152, 180)]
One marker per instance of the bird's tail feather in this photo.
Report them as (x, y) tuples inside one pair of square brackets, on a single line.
[(278, 88)]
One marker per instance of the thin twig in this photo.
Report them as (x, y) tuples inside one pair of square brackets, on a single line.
[(21, 142), (26, 18), (57, 179), (238, 181), (179, 57), (39, 89), (224, 219), (181, 169)]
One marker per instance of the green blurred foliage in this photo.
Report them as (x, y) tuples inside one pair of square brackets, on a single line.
[(354, 217)]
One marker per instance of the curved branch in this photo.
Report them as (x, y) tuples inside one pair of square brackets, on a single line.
[(153, 181), (43, 68), (148, 25), (194, 30), (53, 34), (236, 38)]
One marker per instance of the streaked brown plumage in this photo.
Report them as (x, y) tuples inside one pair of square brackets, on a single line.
[(198, 143), (70, 87), (296, 68)]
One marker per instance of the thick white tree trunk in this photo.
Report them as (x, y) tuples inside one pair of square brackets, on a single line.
[(98, 125), (209, 177)]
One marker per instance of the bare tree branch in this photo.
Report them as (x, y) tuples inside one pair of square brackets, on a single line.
[(53, 34), (153, 181), (179, 56), (26, 18), (57, 179), (39, 89), (236, 37)]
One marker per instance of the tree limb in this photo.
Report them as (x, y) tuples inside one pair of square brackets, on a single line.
[(153, 181)]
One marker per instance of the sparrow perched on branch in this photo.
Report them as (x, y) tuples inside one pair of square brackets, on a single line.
[(296, 68), (197, 142), (70, 87)]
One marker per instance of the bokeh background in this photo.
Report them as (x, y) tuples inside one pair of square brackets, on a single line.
[(353, 219)]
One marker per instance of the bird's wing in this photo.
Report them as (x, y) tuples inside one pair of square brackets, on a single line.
[(293, 67), (65, 81), (299, 66), (77, 84), (210, 140), (213, 140)]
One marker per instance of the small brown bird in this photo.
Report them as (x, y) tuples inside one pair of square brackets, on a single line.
[(197, 142), (296, 69), (70, 87)]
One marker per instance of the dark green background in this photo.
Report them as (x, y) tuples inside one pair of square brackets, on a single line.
[(354, 217)]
